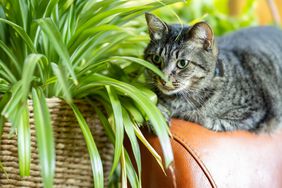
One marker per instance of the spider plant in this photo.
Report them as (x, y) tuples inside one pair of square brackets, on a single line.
[(78, 50)]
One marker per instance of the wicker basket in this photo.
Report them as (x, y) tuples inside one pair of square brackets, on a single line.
[(73, 168)]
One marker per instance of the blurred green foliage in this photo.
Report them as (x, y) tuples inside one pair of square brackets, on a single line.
[(215, 12)]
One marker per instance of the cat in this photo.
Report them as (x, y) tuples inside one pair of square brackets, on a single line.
[(229, 83)]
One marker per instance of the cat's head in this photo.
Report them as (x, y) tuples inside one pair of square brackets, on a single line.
[(186, 55)]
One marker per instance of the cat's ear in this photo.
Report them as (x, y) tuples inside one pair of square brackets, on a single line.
[(157, 28), (201, 32)]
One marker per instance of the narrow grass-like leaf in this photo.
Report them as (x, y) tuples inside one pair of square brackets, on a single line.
[(133, 111), (106, 124), (158, 158), (3, 77), (24, 13), (91, 46), (92, 67), (51, 80), (9, 76), (54, 36), (4, 100), (22, 33), (27, 74), (153, 113), (11, 106), (111, 47), (129, 129), (123, 169), (141, 9), (119, 133), (91, 31), (47, 13), (24, 151), (44, 137), (131, 174), (84, 50), (70, 26), (63, 82), (11, 55), (142, 62), (4, 86), (2, 26), (99, 6), (50, 7), (96, 162), (101, 17)]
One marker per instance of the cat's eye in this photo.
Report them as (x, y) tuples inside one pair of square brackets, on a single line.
[(182, 63), (156, 59)]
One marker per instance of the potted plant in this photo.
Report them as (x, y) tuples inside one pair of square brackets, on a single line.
[(74, 57)]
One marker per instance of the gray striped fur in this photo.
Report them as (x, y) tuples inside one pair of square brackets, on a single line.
[(232, 82)]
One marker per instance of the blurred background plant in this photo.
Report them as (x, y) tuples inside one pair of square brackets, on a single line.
[(223, 15), (218, 13)]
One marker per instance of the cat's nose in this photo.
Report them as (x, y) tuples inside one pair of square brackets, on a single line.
[(171, 78), (173, 72), (167, 83)]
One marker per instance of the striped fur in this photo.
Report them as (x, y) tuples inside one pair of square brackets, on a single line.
[(230, 83)]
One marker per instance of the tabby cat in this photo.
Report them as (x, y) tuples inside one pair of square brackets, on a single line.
[(227, 83)]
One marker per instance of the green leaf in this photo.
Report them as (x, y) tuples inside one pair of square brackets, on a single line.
[(138, 10), (119, 133), (158, 158), (96, 162), (24, 151), (9, 76), (24, 13), (22, 33), (11, 55), (28, 70), (99, 6), (50, 7), (129, 129), (82, 36), (54, 36), (98, 18), (131, 174), (135, 114), (63, 83), (106, 124), (47, 13), (153, 113), (141, 62), (10, 108), (4, 100), (123, 169), (44, 137)]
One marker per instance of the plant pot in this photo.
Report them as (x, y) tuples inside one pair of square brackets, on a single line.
[(73, 167)]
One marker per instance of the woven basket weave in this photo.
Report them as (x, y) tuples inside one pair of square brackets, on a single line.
[(73, 167)]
